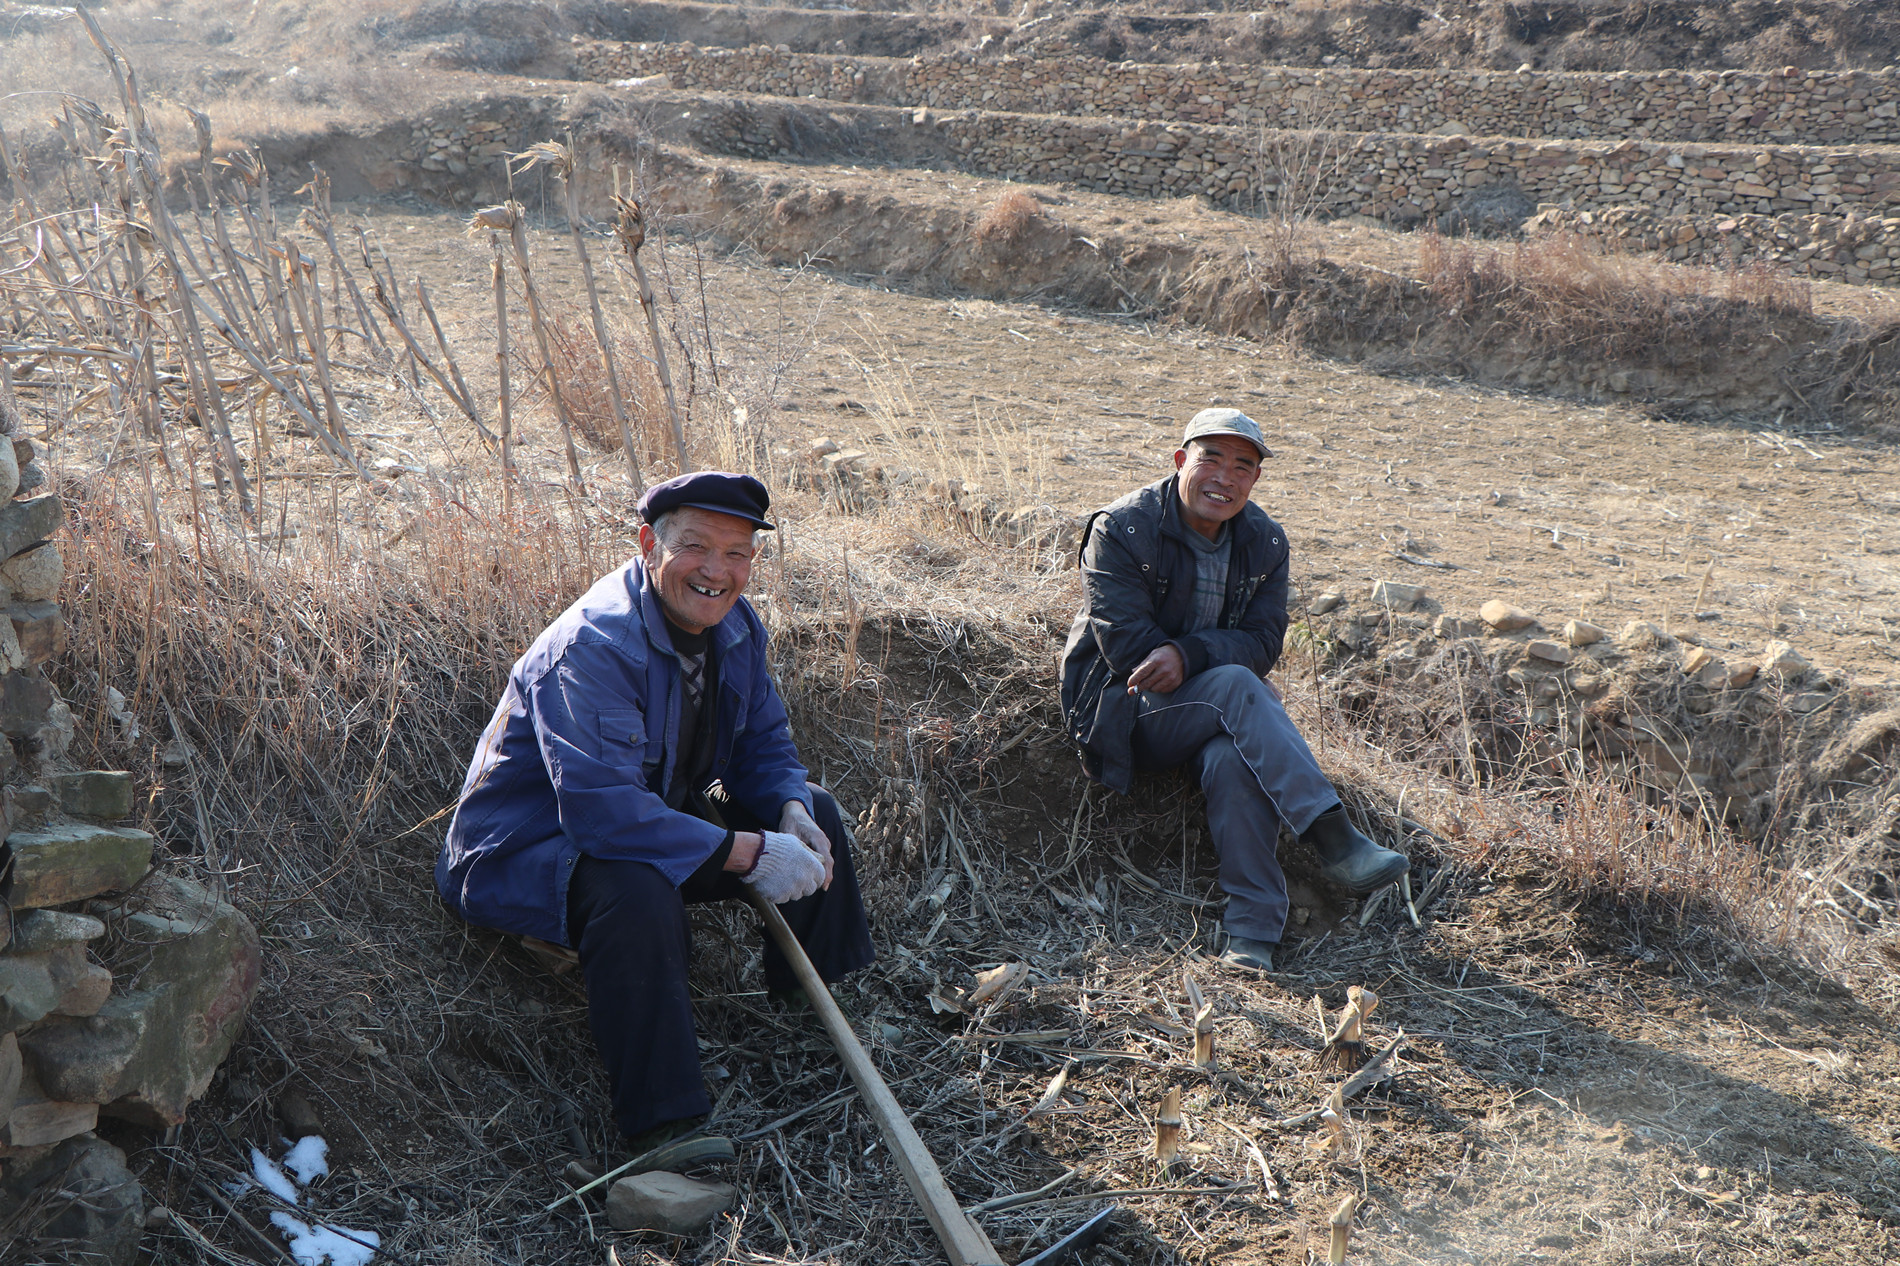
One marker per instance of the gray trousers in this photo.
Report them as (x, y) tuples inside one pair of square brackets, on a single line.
[(1256, 772)]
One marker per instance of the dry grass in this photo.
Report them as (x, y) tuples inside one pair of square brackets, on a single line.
[(582, 373), (1006, 220), (1564, 294)]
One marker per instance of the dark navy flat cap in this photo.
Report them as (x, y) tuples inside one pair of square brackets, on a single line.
[(720, 491)]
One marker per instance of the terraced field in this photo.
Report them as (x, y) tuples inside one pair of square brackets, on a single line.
[(1593, 308)]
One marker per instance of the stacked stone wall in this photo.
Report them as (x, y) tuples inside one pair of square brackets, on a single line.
[(1826, 247), (1737, 107), (121, 987), (1398, 178), (1826, 214)]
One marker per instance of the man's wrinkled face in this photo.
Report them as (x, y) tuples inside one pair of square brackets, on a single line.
[(1218, 473), (702, 566)]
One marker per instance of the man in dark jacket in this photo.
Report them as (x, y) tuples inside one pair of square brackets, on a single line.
[(1183, 615), (640, 761)]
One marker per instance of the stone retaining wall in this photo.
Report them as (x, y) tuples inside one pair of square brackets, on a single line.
[(1783, 108), (1398, 178), (121, 987), (1829, 247)]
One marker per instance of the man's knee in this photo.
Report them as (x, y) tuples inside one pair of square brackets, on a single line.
[(1231, 683), (829, 817)]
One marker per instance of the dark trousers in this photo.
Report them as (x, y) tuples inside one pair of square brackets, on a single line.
[(1256, 772), (629, 926)]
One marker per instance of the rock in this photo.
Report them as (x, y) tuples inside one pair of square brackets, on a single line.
[(148, 1054), (1324, 603), (34, 575), (1451, 627), (11, 1068), (95, 793), (87, 994), (39, 628), (73, 861), (820, 448), (51, 740), (671, 1203), (1584, 633), (1399, 597), (298, 1118), (39, 631), (27, 522), (9, 471), (28, 807), (25, 700), (1783, 660), (37, 1119), (1702, 665), (97, 1210), (1589, 685), (37, 931), (1641, 635), (1495, 211), (1504, 617), (1741, 675), (28, 991), (1549, 651), (12, 658)]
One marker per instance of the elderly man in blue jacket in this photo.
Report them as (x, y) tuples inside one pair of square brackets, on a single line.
[(1183, 615), (640, 761)]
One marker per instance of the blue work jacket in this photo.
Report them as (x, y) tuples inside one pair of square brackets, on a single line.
[(582, 746)]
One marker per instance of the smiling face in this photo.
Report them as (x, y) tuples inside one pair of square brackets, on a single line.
[(701, 565), (1218, 473)]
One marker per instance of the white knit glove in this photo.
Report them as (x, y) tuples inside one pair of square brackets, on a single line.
[(786, 869)]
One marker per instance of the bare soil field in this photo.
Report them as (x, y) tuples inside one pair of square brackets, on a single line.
[(1620, 1032)]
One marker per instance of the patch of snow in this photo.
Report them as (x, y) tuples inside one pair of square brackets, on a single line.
[(339, 1246), (308, 1159), (272, 1178)]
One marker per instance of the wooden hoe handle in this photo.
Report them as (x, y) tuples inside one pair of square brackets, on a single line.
[(963, 1240)]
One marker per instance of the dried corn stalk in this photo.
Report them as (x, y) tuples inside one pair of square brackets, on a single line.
[(997, 984), (1341, 1225), (1203, 1011), (1168, 1130), (1346, 1049)]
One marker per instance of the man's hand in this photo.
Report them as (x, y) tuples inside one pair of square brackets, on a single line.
[(1162, 672), (745, 851), (795, 819)]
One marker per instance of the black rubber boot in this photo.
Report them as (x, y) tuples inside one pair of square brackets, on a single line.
[(1350, 858), (1244, 951)]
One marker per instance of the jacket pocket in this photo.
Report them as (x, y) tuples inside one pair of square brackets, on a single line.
[(622, 735)]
